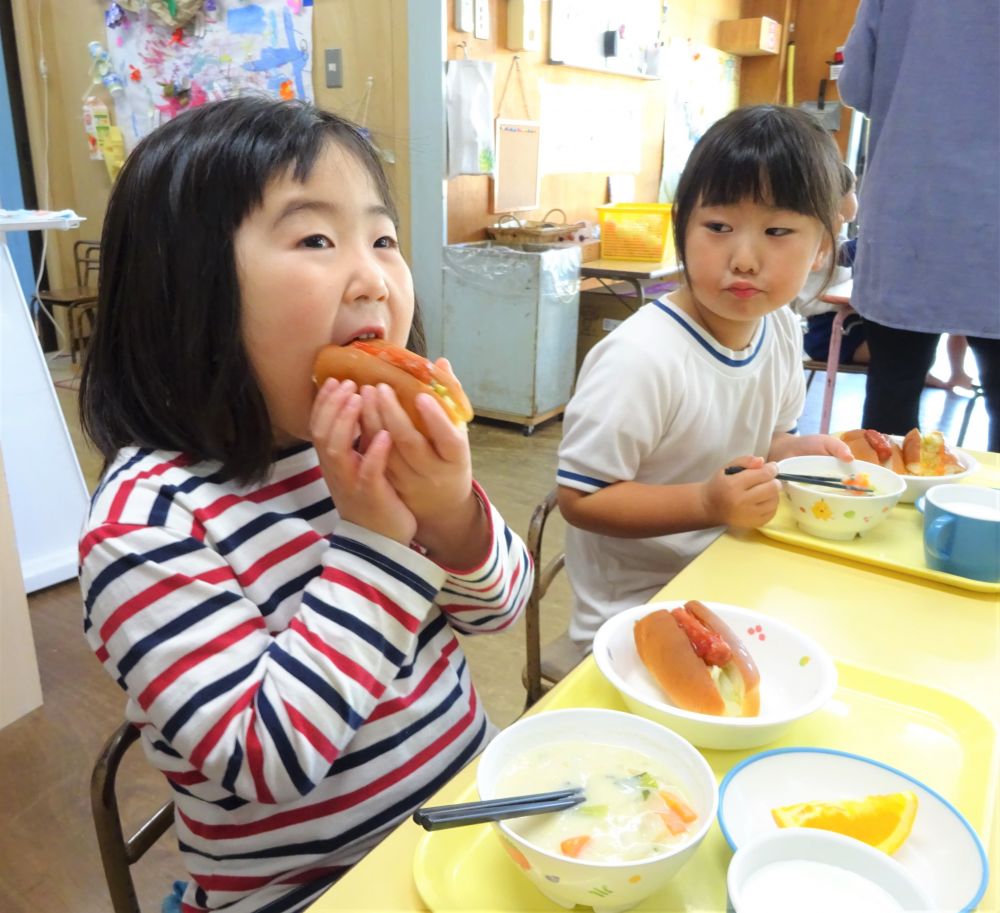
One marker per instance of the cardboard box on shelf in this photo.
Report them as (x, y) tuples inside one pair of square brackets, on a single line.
[(750, 37), (600, 312)]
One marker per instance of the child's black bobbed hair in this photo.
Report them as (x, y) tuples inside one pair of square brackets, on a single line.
[(166, 367), (777, 156)]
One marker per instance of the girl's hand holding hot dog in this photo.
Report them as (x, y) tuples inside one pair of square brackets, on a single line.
[(432, 474), (356, 477), (410, 425), (746, 499)]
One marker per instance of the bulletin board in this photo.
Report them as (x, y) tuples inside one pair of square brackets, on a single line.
[(516, 185)]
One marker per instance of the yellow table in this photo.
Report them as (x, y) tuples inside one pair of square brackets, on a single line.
[(902, 626)]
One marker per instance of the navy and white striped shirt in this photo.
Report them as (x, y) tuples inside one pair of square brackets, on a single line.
[(295, 677)]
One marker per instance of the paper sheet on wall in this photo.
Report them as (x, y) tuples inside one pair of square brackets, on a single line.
[(233, 49), (589, 130), (702, 85), (469, 88)]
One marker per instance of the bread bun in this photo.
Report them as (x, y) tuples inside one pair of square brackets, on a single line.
[(371, 362)]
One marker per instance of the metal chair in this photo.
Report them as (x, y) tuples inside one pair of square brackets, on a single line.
[(81, 299), (119, 853), (545, 665)]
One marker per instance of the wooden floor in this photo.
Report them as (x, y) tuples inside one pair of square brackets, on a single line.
[(48, 854)]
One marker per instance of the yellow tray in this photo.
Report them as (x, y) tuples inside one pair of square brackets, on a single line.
[(896, 544), (931, 735)]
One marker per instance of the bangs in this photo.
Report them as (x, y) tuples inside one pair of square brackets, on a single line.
[(770, 174), (769, 155)]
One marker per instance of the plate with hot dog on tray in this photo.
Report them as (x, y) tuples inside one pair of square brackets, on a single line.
[(922, 460), (720, 675)]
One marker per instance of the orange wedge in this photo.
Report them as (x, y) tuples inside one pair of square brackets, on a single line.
[(884, 822)]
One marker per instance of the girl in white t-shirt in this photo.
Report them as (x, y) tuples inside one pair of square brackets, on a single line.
[(709, 376)]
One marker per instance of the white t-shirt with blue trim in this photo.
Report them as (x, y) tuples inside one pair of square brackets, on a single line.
[(660, 401)]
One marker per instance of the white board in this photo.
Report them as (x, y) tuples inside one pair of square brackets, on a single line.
[(516, 185), (48, 496)]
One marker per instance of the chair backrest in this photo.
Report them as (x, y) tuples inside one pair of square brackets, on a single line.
[(119, 853), (87, 260), (544, 576)]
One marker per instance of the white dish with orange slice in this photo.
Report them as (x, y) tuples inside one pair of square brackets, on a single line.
[(936, 845)]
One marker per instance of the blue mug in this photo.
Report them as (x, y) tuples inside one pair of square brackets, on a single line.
[(962, 531)]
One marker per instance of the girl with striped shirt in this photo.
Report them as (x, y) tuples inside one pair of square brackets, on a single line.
[(273, 575)]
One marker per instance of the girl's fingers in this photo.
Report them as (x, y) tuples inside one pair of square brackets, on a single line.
[(329, 402), (410, 444), (371, 420), (449, 441), (374, 462), (344, 428)]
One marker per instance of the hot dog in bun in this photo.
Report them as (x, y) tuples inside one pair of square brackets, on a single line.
[(874, 447), (375, 361), (698, 661)]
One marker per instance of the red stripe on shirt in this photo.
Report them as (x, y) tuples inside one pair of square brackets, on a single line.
[(344, 663), (433, 674), (125, 491), (276, 556), (185, 777), (103, 533), (368, 592), (159, 590), (255, 761), (327, 750), (206, 651), (337, 803)]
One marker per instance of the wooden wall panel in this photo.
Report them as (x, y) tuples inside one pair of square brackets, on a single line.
[(819, 27)]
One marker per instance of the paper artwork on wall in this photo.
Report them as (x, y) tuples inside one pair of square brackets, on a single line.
[(232, 49), (589, 129), (469, 87), (702, 84)]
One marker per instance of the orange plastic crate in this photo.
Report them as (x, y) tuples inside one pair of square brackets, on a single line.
[(635, 231)]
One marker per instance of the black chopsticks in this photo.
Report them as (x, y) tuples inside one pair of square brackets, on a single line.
[(826, 481), (442, 816)]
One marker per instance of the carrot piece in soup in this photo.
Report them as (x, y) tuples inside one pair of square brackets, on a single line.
[(679, 806), (573, 846)]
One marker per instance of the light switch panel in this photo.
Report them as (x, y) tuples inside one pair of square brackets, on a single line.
[(334, 65), (482, 18), (465, 15)]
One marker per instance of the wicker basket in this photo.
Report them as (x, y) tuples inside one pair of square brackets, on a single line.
[(512, 229)]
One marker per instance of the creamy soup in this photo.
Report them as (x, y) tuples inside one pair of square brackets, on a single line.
[(634, 807), (797, 885)]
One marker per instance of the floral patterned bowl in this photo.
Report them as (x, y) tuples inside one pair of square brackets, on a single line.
[(832, 514), (607, 887)]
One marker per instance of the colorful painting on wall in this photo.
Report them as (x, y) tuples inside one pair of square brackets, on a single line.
[(231, 47)]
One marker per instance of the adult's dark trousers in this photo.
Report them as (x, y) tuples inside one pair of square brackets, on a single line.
[(900, 361)]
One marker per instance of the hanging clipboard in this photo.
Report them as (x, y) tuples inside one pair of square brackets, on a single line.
[(516, 185)]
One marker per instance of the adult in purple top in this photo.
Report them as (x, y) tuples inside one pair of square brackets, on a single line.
[(928, 75)]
